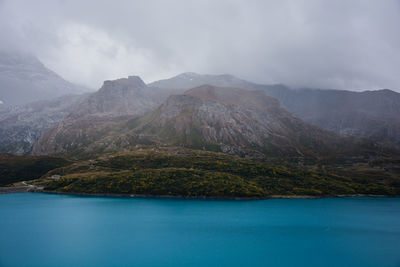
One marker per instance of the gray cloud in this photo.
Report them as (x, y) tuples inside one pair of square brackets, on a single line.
[(330, 44)]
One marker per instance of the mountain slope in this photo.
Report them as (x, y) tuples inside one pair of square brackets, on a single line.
[(231, 120), (21, 126), (369, 114), (24, 79), (99, 114), (238, 121)]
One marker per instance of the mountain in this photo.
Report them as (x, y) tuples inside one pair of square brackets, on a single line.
[(100, 113), (237, 121), (369, 114), (21, 126), (24, 79), (125, 96), (231, 120)]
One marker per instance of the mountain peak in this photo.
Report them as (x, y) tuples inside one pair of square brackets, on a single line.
[(131, 81), (125, 96)]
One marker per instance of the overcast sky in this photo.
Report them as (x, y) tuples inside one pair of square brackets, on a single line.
[(345, 44)]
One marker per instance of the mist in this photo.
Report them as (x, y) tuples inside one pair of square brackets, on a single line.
[(350, 45)]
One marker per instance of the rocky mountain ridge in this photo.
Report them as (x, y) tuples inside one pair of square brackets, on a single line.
[(369, 114), (100, 113), (231, 120)]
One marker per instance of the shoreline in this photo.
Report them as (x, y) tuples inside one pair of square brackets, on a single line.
[(205, 197), (27, 189), (176, 196)]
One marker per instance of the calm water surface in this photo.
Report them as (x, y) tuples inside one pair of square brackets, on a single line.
[(63, 230)]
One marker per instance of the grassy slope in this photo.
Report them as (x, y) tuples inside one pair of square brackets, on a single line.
[(187, 172)]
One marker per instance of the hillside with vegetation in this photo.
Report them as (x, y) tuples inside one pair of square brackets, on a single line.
[(194, 173)]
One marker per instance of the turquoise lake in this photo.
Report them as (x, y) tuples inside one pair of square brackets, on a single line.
[(38, 229)]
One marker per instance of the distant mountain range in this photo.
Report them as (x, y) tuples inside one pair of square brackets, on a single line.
[(87, 122), (231, 120), (237, 121)]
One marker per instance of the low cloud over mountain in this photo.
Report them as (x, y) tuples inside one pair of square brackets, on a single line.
[(350, 45)]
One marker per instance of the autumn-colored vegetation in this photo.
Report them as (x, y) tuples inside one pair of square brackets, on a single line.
[(185, 172)]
